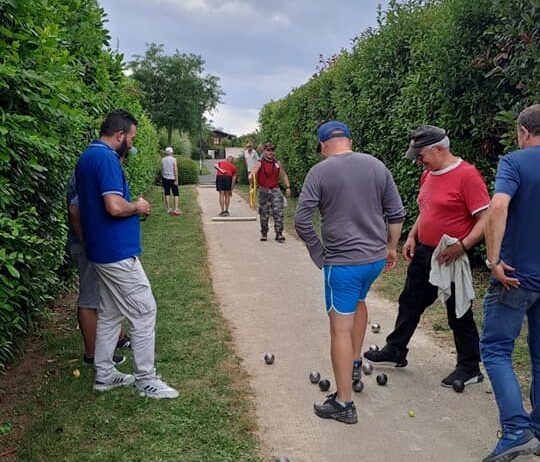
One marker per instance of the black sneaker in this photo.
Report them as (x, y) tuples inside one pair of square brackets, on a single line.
[(330, 409), (467, 377), (117, 359), (124, 342), (264, 237), (357, 370), (280, 237), (226, 213), (386, 356)]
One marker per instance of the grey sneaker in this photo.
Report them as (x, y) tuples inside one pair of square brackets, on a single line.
[(117, 379), (331, 409), (155, 388)]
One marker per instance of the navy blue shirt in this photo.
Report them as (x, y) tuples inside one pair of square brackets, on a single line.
[(518, 176), (72, 199), (108, 239)]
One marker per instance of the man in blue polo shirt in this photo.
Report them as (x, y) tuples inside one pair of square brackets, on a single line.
[(513, 256), (110, 225)]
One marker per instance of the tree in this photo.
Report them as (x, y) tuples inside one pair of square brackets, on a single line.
[(177, 93)]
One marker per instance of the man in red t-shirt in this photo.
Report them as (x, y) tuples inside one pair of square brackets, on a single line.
[(225, 181), (453, 200)]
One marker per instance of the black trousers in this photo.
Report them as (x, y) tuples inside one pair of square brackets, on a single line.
[(417, 295)]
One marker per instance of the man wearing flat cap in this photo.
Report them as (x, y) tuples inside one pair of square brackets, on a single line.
[(452, 204), (361, 220)]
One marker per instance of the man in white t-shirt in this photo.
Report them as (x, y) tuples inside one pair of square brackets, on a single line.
[(251, 157), (169, 180)]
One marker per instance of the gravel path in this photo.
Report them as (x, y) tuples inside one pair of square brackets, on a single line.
[(272, 296)]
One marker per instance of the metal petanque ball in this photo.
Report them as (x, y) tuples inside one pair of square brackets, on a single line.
[(374, 348), (375, 328), (314, 377), (357, 386), (269, 358), (382, 379), (282, 459), (458, 386), (367, 368), (324, 385)]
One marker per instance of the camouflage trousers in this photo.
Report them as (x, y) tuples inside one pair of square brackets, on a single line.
[(271, 200)]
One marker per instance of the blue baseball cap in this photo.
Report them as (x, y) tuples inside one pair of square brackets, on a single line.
[(332, 129)]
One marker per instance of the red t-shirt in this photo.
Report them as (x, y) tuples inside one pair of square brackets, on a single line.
[(228, 167), (448, 199), (268, 174)]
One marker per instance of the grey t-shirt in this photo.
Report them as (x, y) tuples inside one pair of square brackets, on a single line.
[(356, 196)]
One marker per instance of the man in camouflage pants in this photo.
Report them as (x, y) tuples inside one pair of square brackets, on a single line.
[(269, 172)]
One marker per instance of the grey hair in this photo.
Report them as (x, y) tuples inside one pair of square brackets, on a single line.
[(444, 143), (529, 118)]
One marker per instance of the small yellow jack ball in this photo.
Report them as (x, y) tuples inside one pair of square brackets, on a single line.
[(76, 373), (411, 413)]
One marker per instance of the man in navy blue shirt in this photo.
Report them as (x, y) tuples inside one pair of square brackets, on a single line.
[(513, 256), (110, 225)]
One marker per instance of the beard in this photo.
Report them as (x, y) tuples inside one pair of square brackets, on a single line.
[(123, 150)]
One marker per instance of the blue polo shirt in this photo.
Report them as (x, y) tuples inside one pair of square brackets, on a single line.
[(518, 176), (108, 239)]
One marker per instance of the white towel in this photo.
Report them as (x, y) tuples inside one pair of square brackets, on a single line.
[(458, 272)]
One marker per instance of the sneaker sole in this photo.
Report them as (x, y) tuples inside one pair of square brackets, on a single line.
[(388, 363), (339, 419), (530, 447), (477, 379), (153, 396)]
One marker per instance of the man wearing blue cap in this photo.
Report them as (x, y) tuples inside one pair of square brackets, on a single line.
[(361, 219)]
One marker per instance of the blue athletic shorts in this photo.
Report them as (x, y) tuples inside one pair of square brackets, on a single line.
[(345, 286)]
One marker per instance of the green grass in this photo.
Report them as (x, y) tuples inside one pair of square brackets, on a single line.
[(389, 285), (212, 420)]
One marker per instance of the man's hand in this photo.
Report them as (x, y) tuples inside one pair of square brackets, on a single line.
[(143, 206), (451, 253), (288, 192), (391, 260), (499, 272), (409, 248)]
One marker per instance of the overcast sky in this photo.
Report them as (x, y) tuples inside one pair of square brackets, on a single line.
[(260, 49)]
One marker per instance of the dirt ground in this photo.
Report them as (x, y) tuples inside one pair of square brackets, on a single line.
[(272, 295)]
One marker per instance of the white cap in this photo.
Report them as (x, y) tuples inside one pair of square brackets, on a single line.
[(169, 150)]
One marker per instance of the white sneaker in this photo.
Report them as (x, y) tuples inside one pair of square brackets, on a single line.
[(117, 379), (155, 388), (169, 211)]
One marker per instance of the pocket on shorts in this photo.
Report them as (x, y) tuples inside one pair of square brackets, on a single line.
[(141, 300)]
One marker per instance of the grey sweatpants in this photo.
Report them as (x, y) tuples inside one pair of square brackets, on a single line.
[(125, 294)]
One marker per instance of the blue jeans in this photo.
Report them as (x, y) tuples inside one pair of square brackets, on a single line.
[(504, 313)]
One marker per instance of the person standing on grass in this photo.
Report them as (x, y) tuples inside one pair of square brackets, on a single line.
[(88, 300), (169, 180), (513, 256), (452, 201), (361, 219), (110, 225), (225, 180), (269, 171)]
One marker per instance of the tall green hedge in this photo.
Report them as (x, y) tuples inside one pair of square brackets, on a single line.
[(57, 81), (468, 66)]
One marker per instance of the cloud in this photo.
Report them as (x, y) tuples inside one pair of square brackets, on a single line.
[(235, 120)]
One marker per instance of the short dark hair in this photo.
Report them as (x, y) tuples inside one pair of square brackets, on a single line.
[(529, 118), (117, 121)]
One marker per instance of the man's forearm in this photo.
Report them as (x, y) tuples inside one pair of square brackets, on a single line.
[(494, 232), (414, 230), (394, 233), (477, 233)]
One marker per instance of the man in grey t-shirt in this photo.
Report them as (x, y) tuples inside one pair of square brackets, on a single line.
[(361, 219)]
